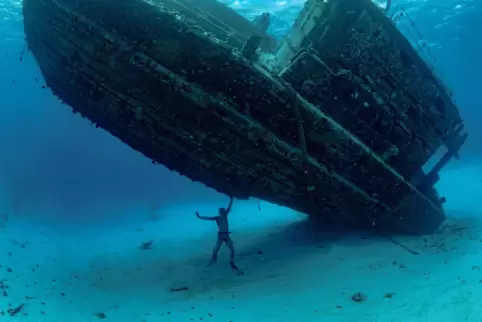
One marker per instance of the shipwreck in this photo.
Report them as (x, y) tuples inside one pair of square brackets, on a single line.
[(337, 123)]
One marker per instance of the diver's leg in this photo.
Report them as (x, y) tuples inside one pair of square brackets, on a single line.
[(216, 248), (229, 243)]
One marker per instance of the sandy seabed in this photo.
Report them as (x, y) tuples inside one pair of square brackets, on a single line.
[(293, 271)]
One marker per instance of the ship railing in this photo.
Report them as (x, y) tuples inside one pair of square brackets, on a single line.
[(404, 22), (202, 15)]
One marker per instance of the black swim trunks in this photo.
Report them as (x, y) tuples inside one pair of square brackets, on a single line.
[(223, 235)]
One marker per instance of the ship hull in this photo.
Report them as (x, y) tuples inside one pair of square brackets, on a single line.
[(183, 99)]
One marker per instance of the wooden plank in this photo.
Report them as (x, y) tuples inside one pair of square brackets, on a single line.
[(185, 100)]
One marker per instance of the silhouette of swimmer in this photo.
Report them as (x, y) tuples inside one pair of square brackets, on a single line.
[(263, 21), (223, 235)]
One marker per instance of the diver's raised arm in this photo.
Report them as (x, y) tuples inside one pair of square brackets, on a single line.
[(230, 205)]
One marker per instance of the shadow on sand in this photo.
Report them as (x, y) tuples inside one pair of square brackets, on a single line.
[(263, 255)]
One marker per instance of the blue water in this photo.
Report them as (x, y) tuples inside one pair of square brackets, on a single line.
[(76, 204)]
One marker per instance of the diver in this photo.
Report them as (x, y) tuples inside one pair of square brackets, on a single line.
[(263, 21), (223, 235)]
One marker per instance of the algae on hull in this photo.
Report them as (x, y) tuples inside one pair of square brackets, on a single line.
[(217, 118)]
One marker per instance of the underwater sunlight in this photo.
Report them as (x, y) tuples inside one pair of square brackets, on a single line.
[(127, 125)]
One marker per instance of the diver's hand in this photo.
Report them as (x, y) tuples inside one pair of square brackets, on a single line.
[(197, 214)]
